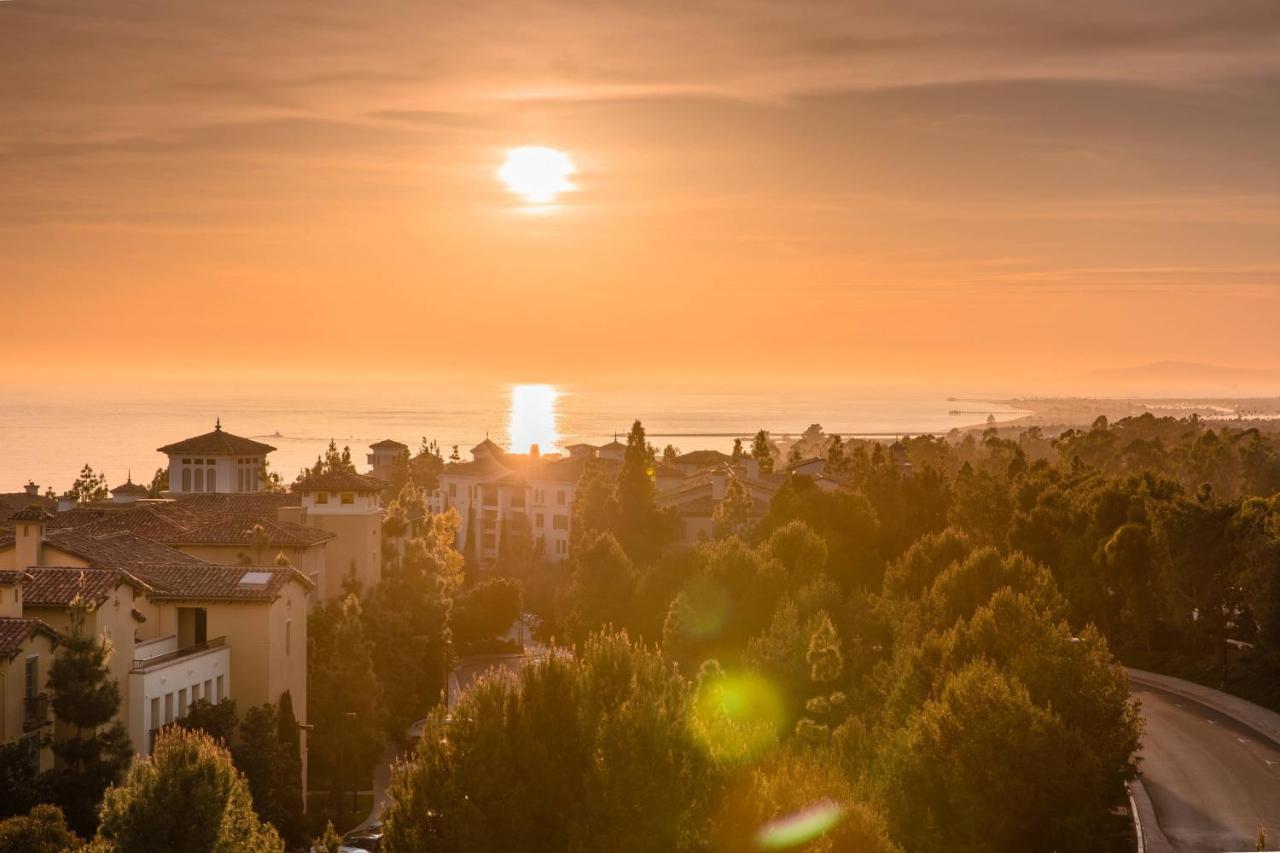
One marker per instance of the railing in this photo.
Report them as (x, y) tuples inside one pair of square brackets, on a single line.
[(35, 711), (185, 651)]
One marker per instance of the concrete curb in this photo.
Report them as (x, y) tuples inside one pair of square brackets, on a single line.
[(1150, 838), (1262, 720)]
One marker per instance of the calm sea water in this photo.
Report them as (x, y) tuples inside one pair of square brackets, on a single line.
[(48, 440)]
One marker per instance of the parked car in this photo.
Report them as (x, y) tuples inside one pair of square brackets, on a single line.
[(365, 838)]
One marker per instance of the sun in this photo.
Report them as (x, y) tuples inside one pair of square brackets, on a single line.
[(536, 173)]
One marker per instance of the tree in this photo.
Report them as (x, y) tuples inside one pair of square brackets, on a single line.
[(186, 797), (218, 720), (89, 487), (601, 589), (670, 453), (835, 456), (92, 746), (486, 611), (257, 757), (762, 452), (288, 772), (329, 842), (733, 515), (344, 700), (765, 802), (159, 483), (737, 454), (574, 751), (635, 520), (21, 787), (43, 830)]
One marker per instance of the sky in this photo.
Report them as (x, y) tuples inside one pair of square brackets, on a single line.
[(863, 192)]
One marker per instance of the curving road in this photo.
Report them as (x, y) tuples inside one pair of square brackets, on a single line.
[(1212, 780)]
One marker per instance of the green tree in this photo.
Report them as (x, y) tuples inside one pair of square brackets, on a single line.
[(288, 772), (601, 589), (91, 745), (21, 787), (218, 720), (762, 452), (257, 757), (344, 700), (42, 830), (89, 487), (737, 454), (328, 842), (733, 515), (578, 749), (186, 797), (486, 611), (159, 483)]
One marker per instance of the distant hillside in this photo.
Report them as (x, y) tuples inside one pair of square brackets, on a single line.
[(1185, 377)]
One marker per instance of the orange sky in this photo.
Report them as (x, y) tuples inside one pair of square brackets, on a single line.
[(880, 192)]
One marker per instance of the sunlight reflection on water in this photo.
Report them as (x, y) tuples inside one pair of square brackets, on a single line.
[(532, 418)]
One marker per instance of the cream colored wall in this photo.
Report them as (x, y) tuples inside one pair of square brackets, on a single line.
[(112, 620), (11, 601), (6, 558), (51, 555), (13, 690), (359, 541)]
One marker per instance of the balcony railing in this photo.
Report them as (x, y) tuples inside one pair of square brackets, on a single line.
[(143, 664), (35, 711)]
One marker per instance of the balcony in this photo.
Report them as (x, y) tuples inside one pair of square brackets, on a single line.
[(166, 658), (35, 712)]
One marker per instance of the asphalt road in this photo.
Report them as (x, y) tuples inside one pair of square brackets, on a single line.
[(1212, 780)]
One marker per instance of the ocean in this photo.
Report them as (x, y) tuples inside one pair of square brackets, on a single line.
[(49, 439)]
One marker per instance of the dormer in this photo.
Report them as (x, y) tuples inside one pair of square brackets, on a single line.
[(487, 450), (217, 462), (28, 535), (340, 493)]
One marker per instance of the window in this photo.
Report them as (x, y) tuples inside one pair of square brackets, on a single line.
[(288, 636), (199, 480), (560, 522), (182, 702), (186, 461), (195, 693), (537, 520), (453, 490), (562, 547), (560, 496), (155, 713), (186, 479), (211, 481), (220, 693), (322, 497), (348, 498), (208, 689), (168, 708), (33, 676)]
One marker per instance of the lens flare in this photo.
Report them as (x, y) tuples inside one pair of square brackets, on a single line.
[(737, 717), (800, 828)]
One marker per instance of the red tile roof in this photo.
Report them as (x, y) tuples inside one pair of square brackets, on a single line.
[(218, 442), (35, 512), (239, 530), (112, 550), (57, 586), (130, 488), (15, 633), (259, 503), (189, 582), (388, 444)]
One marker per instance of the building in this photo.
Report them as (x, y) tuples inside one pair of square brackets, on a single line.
[(129, 492), (696, 499), (348, 506), (180, 628), (216, 462), (27, 647), (497, 491), (384, 458)]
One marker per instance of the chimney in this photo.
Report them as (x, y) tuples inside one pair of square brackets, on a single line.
[(31, 489), (28, 536)]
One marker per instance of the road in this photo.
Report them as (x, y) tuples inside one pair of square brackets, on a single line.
[(1212, 780)]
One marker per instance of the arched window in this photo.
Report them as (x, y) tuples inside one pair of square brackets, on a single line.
[(199, 479), (211, 482), (186, 480)]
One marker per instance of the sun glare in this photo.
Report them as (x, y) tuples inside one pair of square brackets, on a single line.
[(532, 419), (537, 174)]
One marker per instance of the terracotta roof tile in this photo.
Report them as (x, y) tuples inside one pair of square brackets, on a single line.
[(34, 512), (185, 581), (121, 549), (14, 634), (388, 444), (239, 530), (57, 586), (218, 442)]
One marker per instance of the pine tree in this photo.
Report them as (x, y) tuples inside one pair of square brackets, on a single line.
[(96, 749), (187, 797), (89, 486), (288, 771), (738, 453), (762, 453)]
